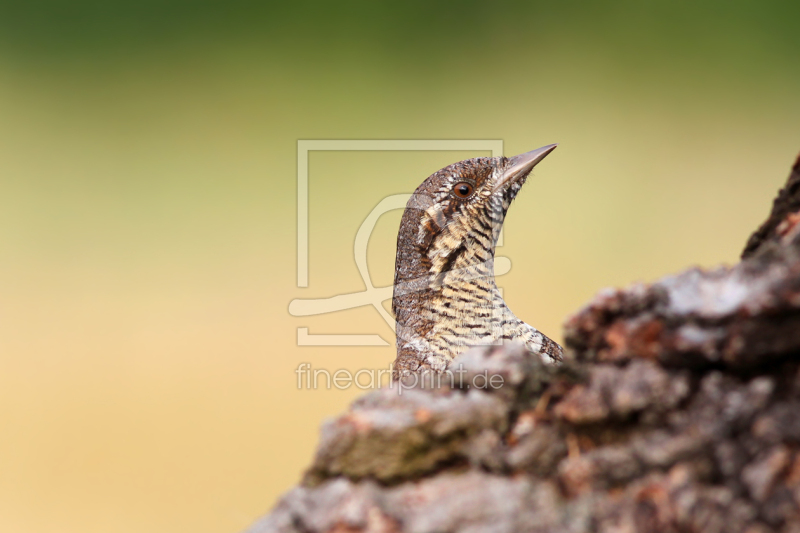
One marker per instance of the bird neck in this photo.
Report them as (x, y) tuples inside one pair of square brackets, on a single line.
[(453, 306)]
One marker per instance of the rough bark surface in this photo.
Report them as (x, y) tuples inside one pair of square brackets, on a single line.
[(779, 221), (677, 409)]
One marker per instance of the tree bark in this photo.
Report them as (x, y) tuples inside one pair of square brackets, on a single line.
[(677, 409)]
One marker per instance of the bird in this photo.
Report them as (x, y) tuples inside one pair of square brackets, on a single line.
[(445, 298)]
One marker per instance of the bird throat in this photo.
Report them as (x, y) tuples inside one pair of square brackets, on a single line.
[(446, 298)]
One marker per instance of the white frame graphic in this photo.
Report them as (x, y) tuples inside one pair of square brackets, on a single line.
[(372, 295)]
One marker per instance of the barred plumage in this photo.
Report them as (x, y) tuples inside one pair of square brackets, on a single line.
[(445, 297)]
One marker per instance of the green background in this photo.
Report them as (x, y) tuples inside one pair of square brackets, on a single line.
[(147, 210)]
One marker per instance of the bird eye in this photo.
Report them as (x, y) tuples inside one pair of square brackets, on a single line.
[(463, 189)]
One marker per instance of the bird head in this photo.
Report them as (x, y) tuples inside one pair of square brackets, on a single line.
[(456, 214)]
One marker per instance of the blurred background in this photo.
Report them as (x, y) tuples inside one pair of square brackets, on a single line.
[(148, 210)]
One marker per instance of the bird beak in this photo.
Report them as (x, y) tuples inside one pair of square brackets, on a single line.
[(520, 165)]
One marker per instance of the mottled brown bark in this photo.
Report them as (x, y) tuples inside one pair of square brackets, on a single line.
[(779, 222), (677, 409)]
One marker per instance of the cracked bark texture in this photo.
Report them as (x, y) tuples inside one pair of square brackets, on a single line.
[(677, 409)]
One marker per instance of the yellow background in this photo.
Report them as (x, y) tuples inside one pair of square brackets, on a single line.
[(147, 210)]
